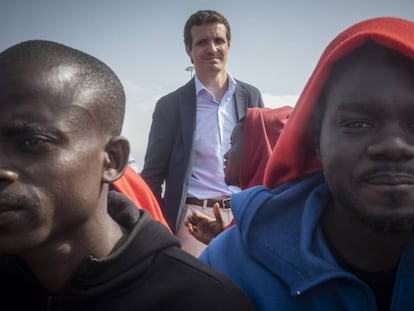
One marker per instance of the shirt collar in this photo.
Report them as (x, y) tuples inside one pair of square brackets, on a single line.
[(199, 86)]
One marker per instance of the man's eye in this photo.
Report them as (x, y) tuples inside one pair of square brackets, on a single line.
[(33, 141), (357, 124), (30, 142)]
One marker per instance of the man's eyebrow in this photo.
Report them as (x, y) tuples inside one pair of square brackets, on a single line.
[(360, 106), (367, 106), (20, 127)]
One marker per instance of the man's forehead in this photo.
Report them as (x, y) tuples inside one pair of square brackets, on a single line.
[(371, 54), (38, 69), (210, 28), (31, 79)]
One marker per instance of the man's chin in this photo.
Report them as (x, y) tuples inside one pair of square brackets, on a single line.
[(401, 224)]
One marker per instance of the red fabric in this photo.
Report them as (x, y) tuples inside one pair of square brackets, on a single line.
[(261, 131), (294, 156), (262, 128), (136, 189)]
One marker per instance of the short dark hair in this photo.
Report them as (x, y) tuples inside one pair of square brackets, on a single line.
[(109, 106), (203, 17)]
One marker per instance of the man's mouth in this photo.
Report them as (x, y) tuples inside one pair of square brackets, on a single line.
[(16, 202), (390, 178)]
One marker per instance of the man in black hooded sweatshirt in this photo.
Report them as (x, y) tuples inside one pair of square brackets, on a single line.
[(66, 242)]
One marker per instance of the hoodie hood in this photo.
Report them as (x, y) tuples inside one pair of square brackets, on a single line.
[(261, 130), (132, 259), (288, 241), (294, 156), (136, 189)]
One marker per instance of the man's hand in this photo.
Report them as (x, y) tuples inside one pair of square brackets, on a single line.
[(204, 228)]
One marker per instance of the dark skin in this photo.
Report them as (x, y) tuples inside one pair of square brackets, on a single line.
[(232, 158), (205, 228), (371, 171), (55, 166)]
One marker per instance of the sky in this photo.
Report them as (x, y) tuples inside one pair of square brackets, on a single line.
[(275, 44)]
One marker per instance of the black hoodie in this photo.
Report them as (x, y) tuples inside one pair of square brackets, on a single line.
[(148, 271)]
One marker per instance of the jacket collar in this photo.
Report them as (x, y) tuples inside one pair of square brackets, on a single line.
[(272, 224), (280, 229)]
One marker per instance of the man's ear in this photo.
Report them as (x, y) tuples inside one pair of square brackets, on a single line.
[(116, 158), (188, 50)]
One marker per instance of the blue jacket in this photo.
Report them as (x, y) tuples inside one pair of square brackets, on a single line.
[(278, 255)]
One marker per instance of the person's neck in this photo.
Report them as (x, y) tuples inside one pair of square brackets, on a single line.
[(54, 263), (358, 244), (216, 83)]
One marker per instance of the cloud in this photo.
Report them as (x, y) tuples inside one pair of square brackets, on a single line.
[(138, 117), (274, 101)]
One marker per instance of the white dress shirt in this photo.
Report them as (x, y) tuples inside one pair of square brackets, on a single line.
[(214, 124)]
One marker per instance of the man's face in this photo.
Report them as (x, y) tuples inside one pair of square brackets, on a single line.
[(51, 155), (367, 144), (232, 158), (209, 48)]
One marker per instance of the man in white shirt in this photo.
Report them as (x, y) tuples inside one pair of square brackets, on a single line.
[(191, 129)]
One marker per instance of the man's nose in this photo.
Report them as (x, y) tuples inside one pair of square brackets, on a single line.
[(7, 177), (392, 145), (212, 47)]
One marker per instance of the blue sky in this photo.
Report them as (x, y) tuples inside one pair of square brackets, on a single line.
[(275, 44)]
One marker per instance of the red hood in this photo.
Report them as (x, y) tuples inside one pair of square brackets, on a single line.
[(294, 155), (135, 188), (261, 130)]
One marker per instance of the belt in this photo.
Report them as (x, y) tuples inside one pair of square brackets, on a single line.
[(223, 203)]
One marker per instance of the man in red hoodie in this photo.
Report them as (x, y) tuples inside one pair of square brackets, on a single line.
[(334, 228)]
